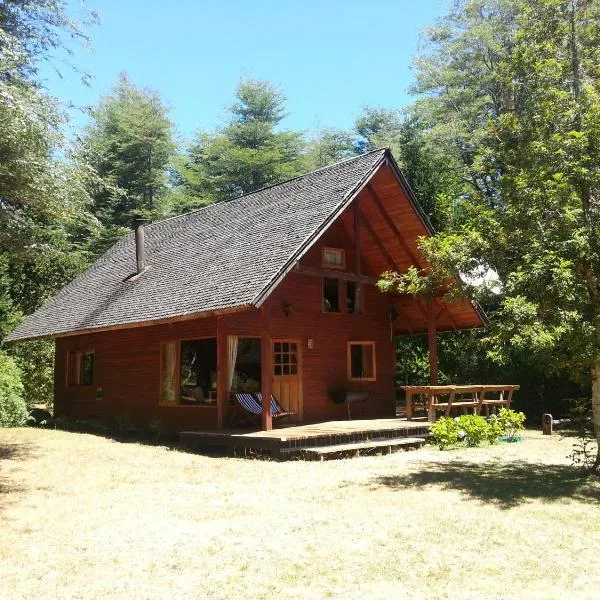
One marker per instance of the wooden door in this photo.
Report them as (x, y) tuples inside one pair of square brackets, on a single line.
[(287, 376)]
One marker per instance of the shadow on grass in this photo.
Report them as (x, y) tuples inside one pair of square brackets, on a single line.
[(504, 484), (8, 487)]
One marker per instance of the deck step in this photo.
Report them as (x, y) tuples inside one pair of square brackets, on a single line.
[(358, 448)]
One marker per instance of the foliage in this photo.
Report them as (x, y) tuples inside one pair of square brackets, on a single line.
[(584, 449), (42, 27), (511, 422), (67, 423), (330, 146), (445, 433), (13, 410), (43, 194), (510, 90), (495, 429), (475, 429), (158, 431), (247, 154), (128, 144)]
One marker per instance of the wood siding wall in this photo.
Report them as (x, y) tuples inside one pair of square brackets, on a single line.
[(127, 362)]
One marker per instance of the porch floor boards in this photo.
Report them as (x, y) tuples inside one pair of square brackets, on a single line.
[(285, 441)]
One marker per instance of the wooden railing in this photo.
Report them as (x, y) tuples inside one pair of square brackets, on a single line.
[(448, 397)]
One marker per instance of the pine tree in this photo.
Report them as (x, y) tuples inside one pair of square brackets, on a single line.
[(249, 153), (128, 144)]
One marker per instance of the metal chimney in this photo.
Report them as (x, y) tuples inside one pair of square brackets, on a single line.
[(140, 250)]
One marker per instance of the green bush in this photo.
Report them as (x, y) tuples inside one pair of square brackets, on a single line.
[(511, 422), (13, 410), (445, 433), (494, 430), (475, 429)]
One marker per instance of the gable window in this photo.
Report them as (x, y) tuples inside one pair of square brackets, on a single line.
[(188, 374), (334, 258), (361, 361), (80, 368), (331, 295)]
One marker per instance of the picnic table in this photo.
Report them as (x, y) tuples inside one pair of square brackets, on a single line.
[(462, 397)]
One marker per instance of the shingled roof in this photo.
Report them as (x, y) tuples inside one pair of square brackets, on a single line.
[(220, 257)]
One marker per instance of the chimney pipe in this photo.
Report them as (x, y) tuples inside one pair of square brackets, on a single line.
[(140, 250)]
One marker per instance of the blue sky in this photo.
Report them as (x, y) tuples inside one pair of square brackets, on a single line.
[(330, 58)]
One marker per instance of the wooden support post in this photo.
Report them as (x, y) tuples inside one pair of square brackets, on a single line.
[(266, 368), (433, 358), (222, 357), (432, 343), (357, 220), (409, 405)]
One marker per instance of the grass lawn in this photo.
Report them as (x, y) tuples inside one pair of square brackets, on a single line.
[(87, 517)]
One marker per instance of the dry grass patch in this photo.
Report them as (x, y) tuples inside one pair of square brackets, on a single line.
[(86, 517)]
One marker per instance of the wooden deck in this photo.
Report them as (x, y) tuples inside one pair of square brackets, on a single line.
[(293, 440)]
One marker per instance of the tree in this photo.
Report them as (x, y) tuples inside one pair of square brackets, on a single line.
[(40, 28), (128, 144), (513, 93), (42, 195), (249, 153), (330, 146)]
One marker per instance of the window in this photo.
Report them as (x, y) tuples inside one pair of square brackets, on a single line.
[(285, 359), (80, 368), (352, 297), (246, 376), (361, 361), (334, 258), (331, 295), (188, 372), (341, 296), (198, 371)]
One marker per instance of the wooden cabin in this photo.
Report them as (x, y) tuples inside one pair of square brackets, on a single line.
[(274, 291)]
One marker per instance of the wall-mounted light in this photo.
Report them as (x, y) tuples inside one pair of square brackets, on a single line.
[(310, 343), (288, 309)]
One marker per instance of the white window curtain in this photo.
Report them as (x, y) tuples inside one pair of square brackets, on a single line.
[(232, 348)]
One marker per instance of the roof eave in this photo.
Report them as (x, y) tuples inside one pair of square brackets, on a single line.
[(132, 325)]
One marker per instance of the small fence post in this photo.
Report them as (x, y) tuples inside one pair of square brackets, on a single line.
[(547, 424)]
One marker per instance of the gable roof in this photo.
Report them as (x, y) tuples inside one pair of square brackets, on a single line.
[(222, 257)]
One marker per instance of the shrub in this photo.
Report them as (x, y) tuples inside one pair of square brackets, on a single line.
[(67, 423), (158, 431), (494, 430), (511, 422), (475, 429), (13, 410), (584, 448), (445, 432)]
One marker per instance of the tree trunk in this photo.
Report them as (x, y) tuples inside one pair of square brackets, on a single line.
[(596, 410)]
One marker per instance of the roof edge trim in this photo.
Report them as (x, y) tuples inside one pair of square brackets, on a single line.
[(132, 325)]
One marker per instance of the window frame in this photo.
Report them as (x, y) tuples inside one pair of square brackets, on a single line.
[(370, 343), (177, 342), (341, 297), (77, 354), (326, 265)]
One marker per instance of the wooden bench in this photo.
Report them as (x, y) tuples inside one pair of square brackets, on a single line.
[(459, 397)]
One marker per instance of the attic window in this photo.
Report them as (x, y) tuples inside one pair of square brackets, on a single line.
[(334, 258)]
